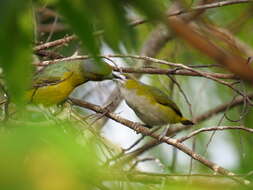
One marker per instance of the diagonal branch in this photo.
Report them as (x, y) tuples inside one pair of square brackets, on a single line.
[(235, 63), (174, 142), (55, 43), (221, 108)]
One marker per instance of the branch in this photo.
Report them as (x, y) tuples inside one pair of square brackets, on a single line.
[(219, 128), (197, 8), (55, 43), (183, 72), (141, 21), (225, 35), (235, 63), (150, 59), (221, 108), (156, 40), (174, 142)]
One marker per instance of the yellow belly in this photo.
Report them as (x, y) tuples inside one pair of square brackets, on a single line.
[(148, 110), (52, 94)]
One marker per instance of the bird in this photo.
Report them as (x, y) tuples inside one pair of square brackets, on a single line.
[(53, 84), (150, 104)]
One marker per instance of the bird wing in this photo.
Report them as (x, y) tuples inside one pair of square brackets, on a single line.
[(50, 77), (163, 99)]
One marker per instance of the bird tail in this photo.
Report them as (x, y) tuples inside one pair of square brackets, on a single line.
[(186, 121)]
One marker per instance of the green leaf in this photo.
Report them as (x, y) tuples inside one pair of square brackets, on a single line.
[(152, 9), (79, 17), (15, 47), (111, 16)]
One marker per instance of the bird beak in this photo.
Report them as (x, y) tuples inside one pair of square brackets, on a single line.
[(116, 76)]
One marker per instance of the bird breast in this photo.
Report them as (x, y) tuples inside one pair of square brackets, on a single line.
[(145, 107)]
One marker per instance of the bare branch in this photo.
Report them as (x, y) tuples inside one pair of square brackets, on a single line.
[(141, 129), (197, 8), (183, 69), (218, 128), (141, 21), (234, 62), (221, 108), (183, 72), (55, 43), (159, 61)]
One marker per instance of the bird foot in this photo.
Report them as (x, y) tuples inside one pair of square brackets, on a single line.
[(163, 134), (161, 137)]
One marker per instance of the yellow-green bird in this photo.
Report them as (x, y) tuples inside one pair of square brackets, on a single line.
[(54, 83), (151, 105)]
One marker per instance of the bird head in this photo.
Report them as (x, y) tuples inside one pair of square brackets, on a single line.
[(97, 71)]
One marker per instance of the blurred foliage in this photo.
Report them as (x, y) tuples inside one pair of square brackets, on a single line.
[(41, 149), (45, 157), (16, 39)]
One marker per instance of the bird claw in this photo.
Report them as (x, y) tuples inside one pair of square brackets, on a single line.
[(107, 108), (163, 134), (161, 137)]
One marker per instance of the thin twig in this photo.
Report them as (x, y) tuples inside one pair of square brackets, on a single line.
[(183, 93), (174, 142), (179, 71), (142, 160), (178, 65), (218, 128), (196, 8), (141, 21), (140, 139), (52, 29), (221, 108)]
